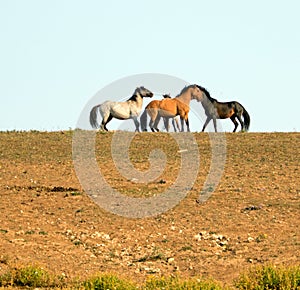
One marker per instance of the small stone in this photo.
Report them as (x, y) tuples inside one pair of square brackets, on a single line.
[(171, 260), (198, 237), (223, 243)]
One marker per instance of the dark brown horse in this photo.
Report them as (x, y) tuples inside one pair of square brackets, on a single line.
[(170, 108), (223, 110)]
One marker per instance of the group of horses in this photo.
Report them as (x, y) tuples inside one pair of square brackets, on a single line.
[(169, 108)]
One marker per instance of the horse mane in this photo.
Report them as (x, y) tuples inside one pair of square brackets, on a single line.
[(206, 92), (133, 98), (184, 90)]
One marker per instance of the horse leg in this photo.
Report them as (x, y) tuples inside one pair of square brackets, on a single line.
[(182, 124), (166, 123), (152, 114), (157, 119), (206, 123), (187, 124), (151, 124), (232, 118), (241, 122), (104, 122), (215, 124), (175, 123), (137, 124)]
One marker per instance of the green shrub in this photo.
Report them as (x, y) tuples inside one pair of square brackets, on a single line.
[(270, 277), (30, 276)]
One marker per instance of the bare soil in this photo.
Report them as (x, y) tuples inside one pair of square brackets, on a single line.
[(47, 219)]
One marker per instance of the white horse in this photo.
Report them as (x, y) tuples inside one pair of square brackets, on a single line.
[(129, 109)]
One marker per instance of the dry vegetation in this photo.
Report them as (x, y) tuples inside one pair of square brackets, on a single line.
[(252, 218)]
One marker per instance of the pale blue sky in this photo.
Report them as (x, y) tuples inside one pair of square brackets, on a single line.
[(55, 55)]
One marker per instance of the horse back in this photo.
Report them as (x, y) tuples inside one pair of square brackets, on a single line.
[(168, 107), (153, 104), (227, 109)]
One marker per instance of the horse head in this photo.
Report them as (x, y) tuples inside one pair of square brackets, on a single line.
[(143, 92), (206, 94), (197, 93)]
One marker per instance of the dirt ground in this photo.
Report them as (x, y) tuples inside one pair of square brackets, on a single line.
[(47, 219)]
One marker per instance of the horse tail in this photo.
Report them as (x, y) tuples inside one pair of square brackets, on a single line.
[(144, 120), (246, 117), (93, 117)]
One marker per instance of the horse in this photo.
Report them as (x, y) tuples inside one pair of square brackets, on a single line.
[(171, 107), (223, 110), (175, 122), (129, 109)]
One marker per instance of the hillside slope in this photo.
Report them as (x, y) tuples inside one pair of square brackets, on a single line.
[(47, 219)]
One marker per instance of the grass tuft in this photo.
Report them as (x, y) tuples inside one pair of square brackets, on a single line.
[(107, 281)]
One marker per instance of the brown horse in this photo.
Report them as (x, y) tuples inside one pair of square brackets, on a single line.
[(155, 104), (170, 108), (175, 122), (223, 110)]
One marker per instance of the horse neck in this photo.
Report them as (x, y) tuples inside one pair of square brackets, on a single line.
[(207, 103), (185, 97), (139, 100)]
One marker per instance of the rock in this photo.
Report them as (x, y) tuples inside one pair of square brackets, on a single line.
[(100, 235), (198, 237), (171, 260), (214, 236), (223, 243)]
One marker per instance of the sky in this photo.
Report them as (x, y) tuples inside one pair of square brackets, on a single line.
[(56, 55)]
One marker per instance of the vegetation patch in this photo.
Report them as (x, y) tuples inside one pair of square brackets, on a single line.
[(257, 278), (270, 277)]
